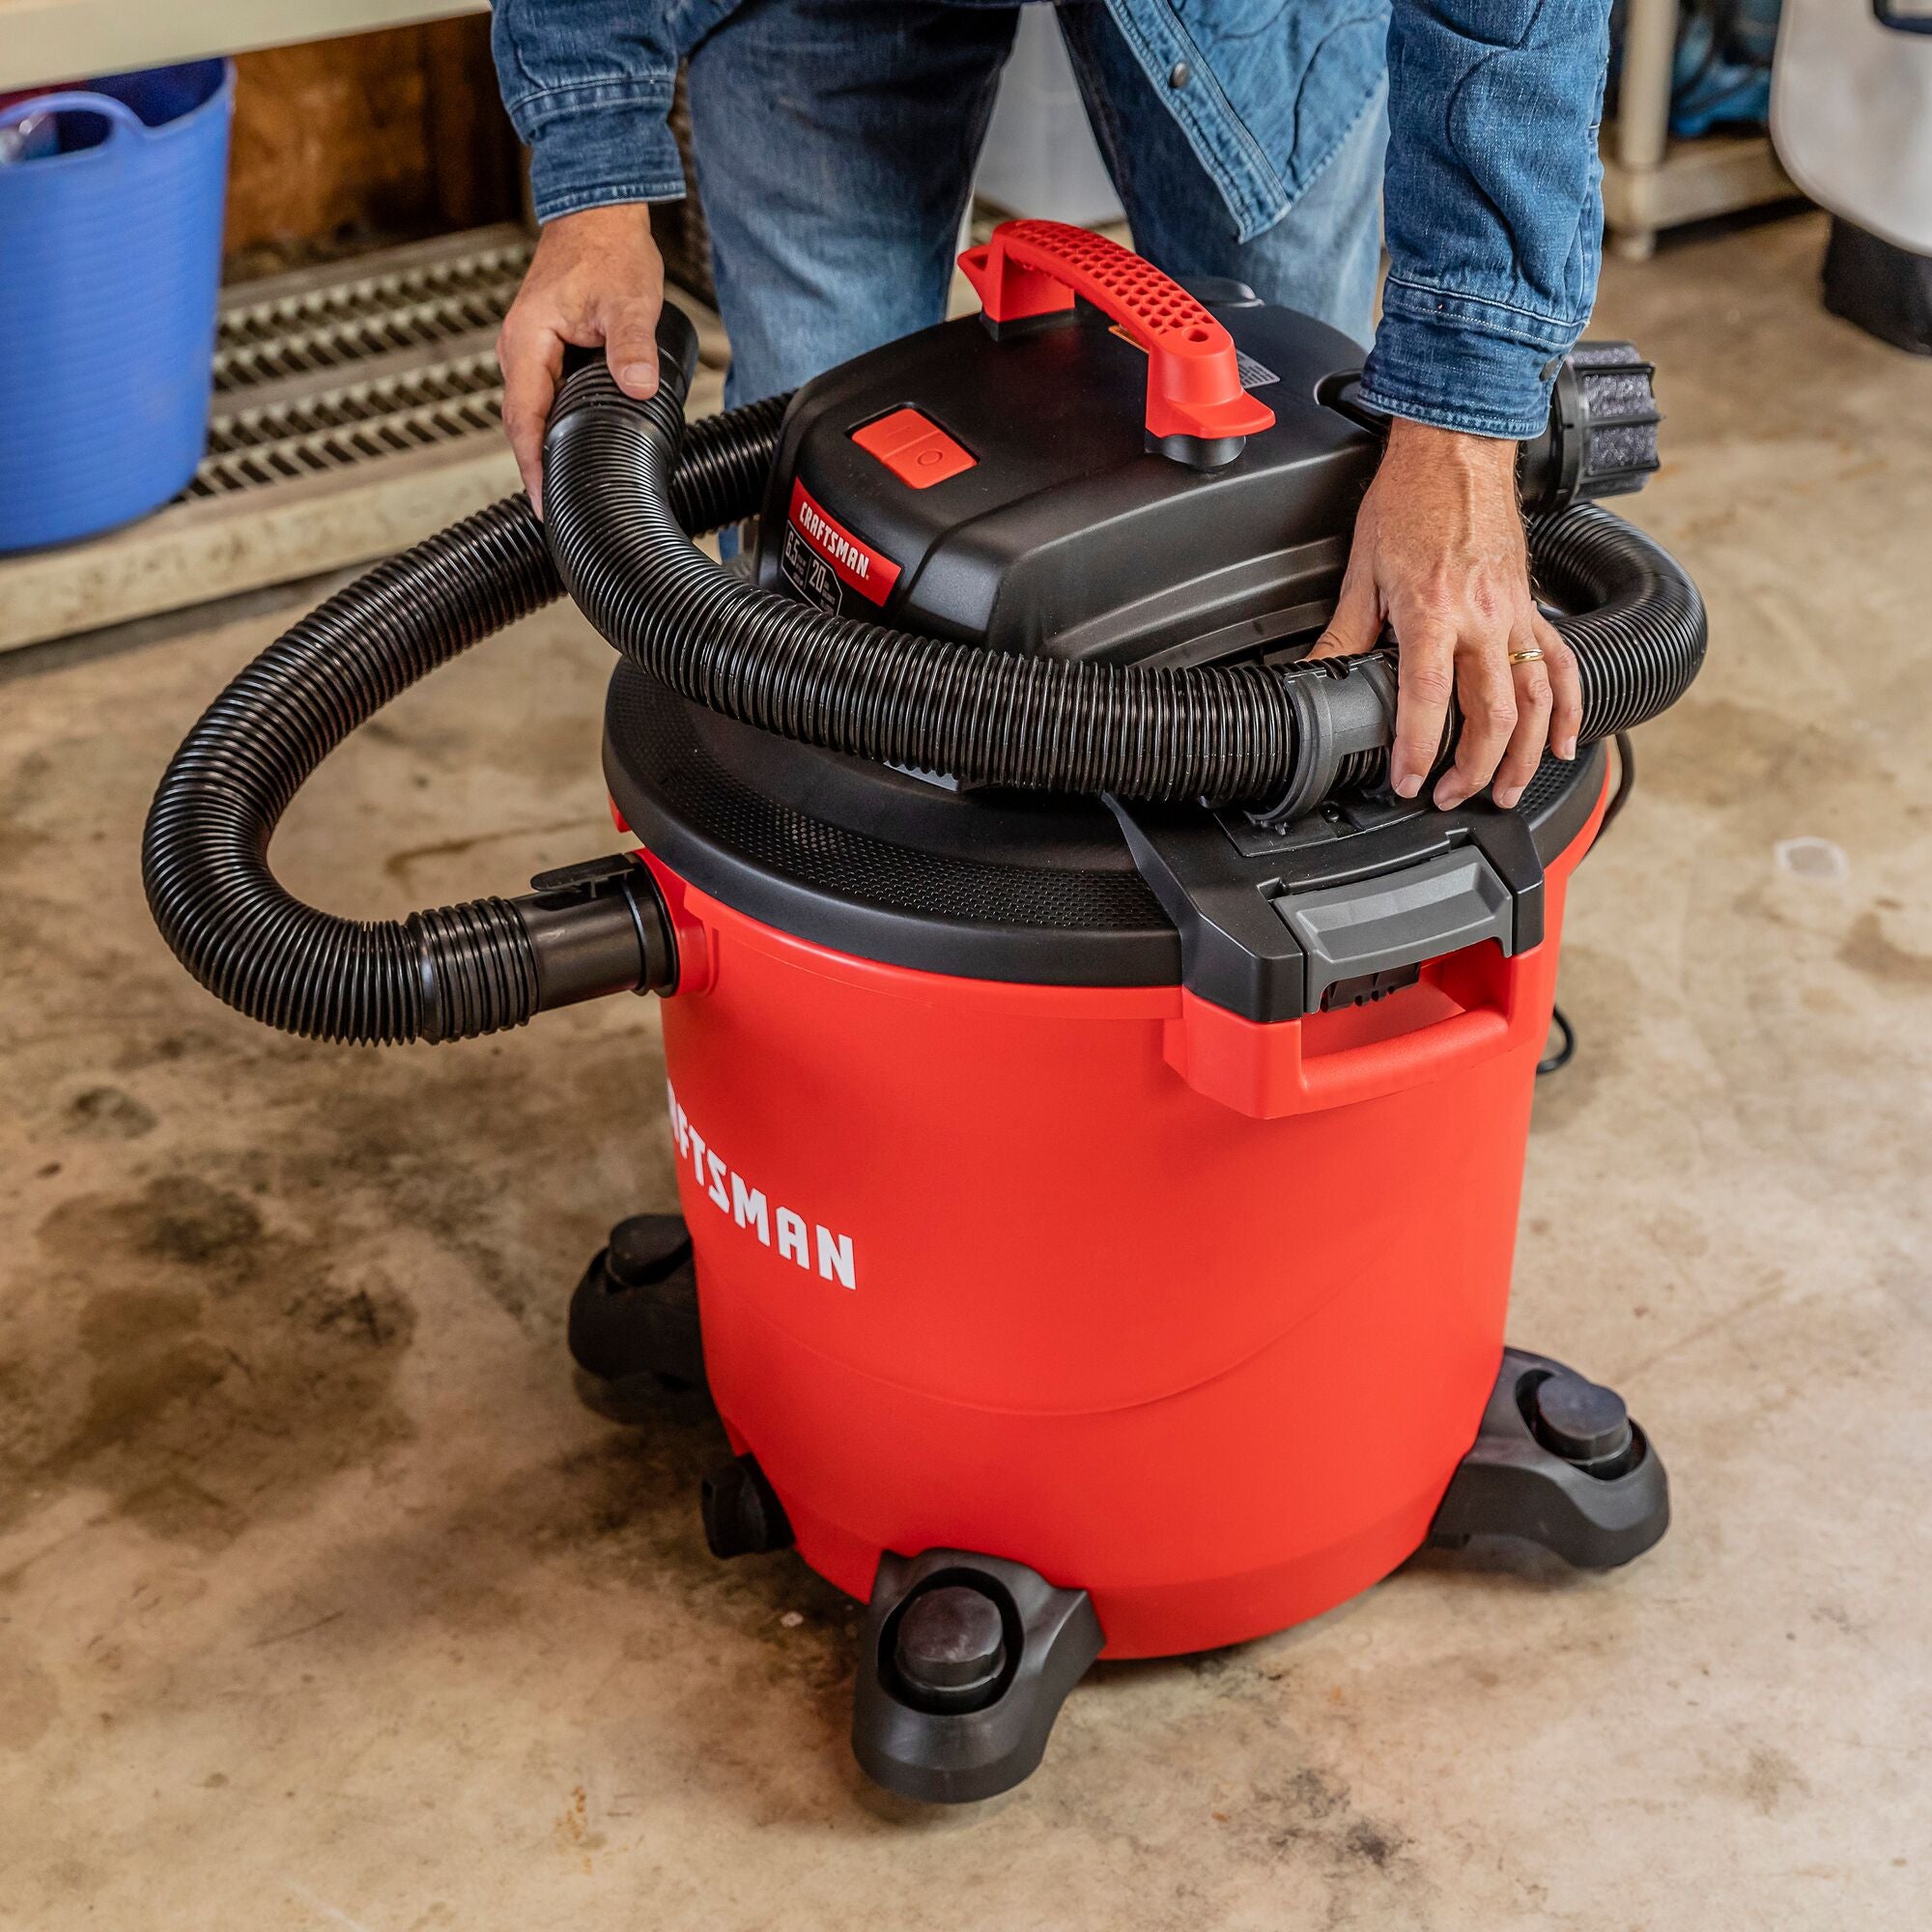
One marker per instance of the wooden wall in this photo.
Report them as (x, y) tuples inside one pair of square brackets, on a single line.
[(370, 138)]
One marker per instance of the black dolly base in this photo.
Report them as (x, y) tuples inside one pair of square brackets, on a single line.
[(963, 1666), (635, 1312), (1558, 1461), (965, 1659)]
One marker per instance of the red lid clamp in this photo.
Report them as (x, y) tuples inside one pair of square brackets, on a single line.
[(1194, 377)]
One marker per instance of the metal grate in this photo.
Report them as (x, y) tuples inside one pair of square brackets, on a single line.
[(357, 407), (323, 372), (329, 429), (417, 306), (327, 370)]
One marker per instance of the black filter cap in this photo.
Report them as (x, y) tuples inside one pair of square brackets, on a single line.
[(646, 1248), (1600, 439)]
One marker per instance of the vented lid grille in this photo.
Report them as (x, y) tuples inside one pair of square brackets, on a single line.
[(938, 911)]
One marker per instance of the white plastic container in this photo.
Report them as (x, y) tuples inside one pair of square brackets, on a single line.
[(1040, 157)]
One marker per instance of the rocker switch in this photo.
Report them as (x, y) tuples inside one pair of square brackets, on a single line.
[(914, 449)]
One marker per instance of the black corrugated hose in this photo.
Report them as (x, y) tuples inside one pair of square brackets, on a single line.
[(627, 486), (449, 972), (1224, 731)]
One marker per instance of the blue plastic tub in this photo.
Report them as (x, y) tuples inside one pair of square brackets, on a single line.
[(110, 269)]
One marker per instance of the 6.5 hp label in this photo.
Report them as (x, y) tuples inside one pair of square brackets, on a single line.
[(821, 559)]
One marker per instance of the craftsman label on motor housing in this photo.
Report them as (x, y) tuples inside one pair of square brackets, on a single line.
[(822, 559)]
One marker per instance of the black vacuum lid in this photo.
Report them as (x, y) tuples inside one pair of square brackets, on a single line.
[(1012, 886)]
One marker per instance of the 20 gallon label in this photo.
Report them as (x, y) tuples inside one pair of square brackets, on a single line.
[(820, 555)]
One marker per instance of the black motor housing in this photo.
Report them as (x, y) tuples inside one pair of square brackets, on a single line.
[(1063, 536)]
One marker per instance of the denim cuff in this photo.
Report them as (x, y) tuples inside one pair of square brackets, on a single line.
[(1462, 363), (599, 143)]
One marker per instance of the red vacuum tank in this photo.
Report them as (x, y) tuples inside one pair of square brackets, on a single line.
[(1099, 1103), (1099, 1215), (1196, 1314)]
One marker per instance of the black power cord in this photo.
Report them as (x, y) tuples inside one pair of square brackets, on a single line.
[(1626, 783), (1566, 1051)]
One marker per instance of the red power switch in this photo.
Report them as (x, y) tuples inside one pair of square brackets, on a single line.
[(914, 449)]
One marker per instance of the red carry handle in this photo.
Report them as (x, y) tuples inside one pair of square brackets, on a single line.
[(1194, 377), (1500, 1005)]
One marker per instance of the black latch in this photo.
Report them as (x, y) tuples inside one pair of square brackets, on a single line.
[(612, 872), (1333, 909), (1369, 987)]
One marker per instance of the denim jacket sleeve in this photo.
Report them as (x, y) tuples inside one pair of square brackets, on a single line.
[(588, 84), (1492, 208)]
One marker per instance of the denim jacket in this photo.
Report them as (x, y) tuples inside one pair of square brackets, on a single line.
[(1491, 206)]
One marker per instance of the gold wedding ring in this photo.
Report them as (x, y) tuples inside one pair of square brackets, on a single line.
[(1525, 657)]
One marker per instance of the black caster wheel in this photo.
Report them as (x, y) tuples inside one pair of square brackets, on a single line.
[(967, 1660), (950, 1649), (743, 1515), (635, 1312), (1558, 1463)]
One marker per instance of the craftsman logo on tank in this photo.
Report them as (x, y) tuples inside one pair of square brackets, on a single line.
[(815, 540), (810, 1244)]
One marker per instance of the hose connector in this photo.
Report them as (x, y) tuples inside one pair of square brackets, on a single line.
[(597, 928), (1344, 711), (581, 932)]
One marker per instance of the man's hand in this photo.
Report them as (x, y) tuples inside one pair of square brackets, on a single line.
[(1439, 556), (596, 277)]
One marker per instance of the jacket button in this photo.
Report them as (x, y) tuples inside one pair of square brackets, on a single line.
[(1179, 74)]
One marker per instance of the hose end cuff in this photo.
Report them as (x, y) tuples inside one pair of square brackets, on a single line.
[(587, 381), (475, 968)]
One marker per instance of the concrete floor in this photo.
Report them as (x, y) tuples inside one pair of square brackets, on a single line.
[(324, 1601)]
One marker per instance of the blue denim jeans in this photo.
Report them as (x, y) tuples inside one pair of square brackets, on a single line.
[(835, 142)]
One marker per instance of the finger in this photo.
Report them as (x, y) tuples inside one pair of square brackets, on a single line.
[(1425, 683), (1524, 751), (1357, 621), (631, 343), (1487, 698), (531, 359), (1566, 687)]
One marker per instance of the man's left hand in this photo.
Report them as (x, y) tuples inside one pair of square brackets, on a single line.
[(1439, 556)]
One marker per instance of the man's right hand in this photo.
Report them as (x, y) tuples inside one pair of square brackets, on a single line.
[(596, 279)]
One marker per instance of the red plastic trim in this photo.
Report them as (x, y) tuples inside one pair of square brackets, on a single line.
[(694, 937), (1270, 1071), (1194, 377)]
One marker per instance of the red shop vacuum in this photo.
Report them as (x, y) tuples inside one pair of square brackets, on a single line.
[(1099, 1103)]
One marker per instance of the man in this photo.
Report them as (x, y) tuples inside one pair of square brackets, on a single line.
[(835, 142)]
